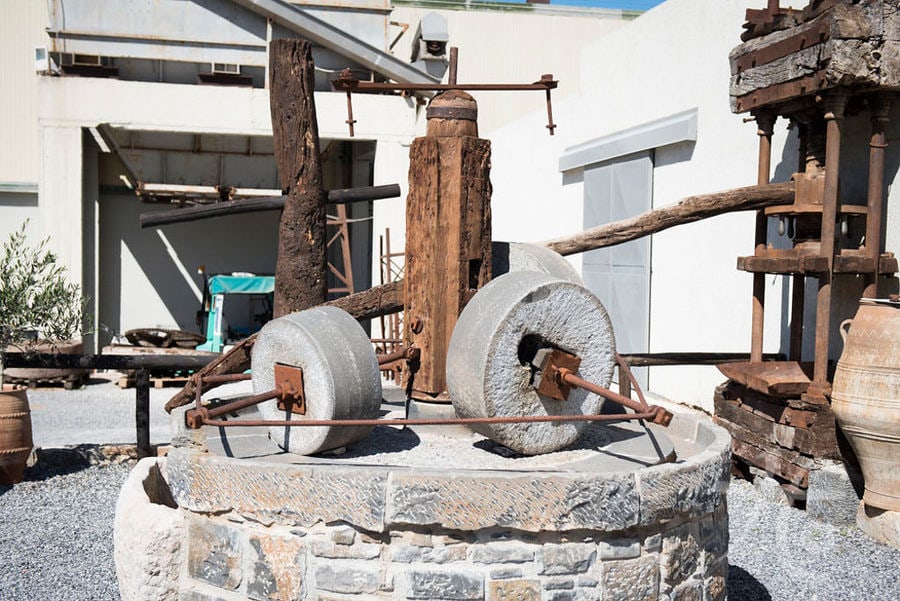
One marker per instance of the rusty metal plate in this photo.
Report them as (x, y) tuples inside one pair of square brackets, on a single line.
[(549, 385), (289, 384)]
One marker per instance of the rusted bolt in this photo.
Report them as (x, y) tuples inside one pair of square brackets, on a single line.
[(417, 325)]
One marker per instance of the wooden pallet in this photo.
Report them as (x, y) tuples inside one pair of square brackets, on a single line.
[(69, 381)]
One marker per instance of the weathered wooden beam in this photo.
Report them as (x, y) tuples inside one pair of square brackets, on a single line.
[(688, 210), (301, 266), (266, 203)]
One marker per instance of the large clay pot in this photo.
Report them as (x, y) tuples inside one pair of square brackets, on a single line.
[(15, 435), (866, 398)]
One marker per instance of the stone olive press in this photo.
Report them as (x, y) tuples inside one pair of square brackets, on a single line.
[(495, 349)]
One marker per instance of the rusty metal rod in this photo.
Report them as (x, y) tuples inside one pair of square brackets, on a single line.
[(225, 378), (454, 61), (242, 403), (624, 369), (521, 419), (368, 86), (654, 413), (403, 353)]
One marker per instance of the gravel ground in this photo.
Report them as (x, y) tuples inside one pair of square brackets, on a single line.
[(56, 544)]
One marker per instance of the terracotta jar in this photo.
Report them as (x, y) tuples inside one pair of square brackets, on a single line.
[(866, 398), (15, 435)]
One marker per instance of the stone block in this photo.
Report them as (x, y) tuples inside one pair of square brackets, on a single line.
[(567, 558), (506, 573), (405, 553), (276, 493), (277, 567), (214, 553), (507, 552), (559, 584), (148, 536), (882, 525), (631, 579), (623, 548), (347, 577), (197, 595), (444, 554), (330, 550), (689, 591), (695, 487), (471, 501), (680, 558), (770, 490), (653, 543), (343, 535), (514, 590), (831, 497), (430, 584)]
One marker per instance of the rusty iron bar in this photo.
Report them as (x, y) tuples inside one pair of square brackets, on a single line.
[(654, 413), (454, 61), (347, 82), (550, 124), (521, 419), (225, 378), (350, 120), (625, 369), (196, 416), (879, 108), (411, 353)]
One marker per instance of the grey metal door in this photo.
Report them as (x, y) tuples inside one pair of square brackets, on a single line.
[(620, 275)]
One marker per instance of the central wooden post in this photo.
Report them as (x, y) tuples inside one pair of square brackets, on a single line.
[(448, 235), (301, 266)]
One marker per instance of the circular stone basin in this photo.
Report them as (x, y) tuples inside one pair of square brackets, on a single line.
[(406, 515)]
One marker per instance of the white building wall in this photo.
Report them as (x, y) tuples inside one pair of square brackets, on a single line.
[(21, 29), (518, 46), (671, 59)]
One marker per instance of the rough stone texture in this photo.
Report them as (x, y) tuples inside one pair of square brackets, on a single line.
[(485, 377), (831, 497), (214, 554), (881, 525), (514, 590), (516, 256), (569, 558), (340, 376), (296, 494), (860, 50), (631, 580), (430, 584), (698, 485), (469, 502), (348, 578), (770, 489), (278, 563), (149, 537), (329, 528)]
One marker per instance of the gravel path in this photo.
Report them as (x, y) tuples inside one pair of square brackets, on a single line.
[(56, 544)]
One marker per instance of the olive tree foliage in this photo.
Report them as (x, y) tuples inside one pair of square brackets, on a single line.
[(37, 302)]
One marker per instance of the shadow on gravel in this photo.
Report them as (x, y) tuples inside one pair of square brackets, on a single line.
[(742, 586)]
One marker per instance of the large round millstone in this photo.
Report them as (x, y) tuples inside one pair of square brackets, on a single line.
[(507, 257), (489, 373), (340, 376)]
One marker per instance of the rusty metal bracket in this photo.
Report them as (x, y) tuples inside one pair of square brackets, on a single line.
[(289, 385), (550, 362), (347, 82), (557, 378)]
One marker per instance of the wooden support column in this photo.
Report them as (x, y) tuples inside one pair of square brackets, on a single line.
[(300, 270), (765, 122), (833, 118), (880, 108), (448, 234)]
